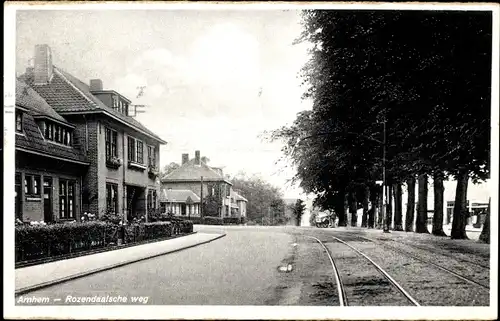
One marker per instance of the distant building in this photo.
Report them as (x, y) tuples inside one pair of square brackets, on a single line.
[(190, 179), (477, 201), (238, 205)]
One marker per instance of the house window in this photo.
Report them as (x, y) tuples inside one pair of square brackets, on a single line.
[(140, 152), (19, 122), (151, 156), (131, 149), (48, 131), (151, 199), (56, 136), (66, 199), (57, 133), (111, 140), (115, 102), (67, 139), (112, 198), (125, 109), (32, 185)]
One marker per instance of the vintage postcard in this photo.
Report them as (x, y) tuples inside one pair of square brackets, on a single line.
[(171, 160)]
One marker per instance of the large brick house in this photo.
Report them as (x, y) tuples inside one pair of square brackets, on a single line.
[(121, 153), (49, 165), (190, 179)]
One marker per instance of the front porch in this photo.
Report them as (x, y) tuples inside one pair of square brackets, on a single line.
[(135, 206)]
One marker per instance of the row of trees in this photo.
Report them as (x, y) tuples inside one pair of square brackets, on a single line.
[(265, 205), (404, 91)]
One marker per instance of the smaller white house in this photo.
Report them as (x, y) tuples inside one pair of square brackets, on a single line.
[(241, 205), (179, 202)]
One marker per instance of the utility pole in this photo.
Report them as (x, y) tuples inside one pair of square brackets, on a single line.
[(201, 197), (386, 222)]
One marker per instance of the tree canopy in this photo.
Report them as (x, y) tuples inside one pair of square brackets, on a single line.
[(414, 82), (265, 202)]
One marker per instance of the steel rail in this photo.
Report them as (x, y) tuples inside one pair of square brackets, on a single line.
[(423, 248), (462, 277), (340, 286), (396, 284)]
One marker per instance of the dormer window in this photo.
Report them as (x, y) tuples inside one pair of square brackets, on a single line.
[(57, 133), (19, 122)]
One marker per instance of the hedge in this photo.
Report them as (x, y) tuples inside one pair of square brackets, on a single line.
[(34, 242), (39, 241), (196, 220), (232, 220), (213, 220)]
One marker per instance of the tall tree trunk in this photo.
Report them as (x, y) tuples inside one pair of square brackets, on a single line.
[(388, 210), (460, 210), (410, 207), (380, 217), (398, 207), (366, 200), (340, 208), (437, 219), (346, 209), (372, 213), (485, 233), (353, 208), (421, 223)]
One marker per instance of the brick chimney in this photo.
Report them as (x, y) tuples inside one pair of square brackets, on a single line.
[(197, 158), (185, 158), (43, 65), (96, 85)]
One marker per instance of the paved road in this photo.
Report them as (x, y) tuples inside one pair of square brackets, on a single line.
[(243, 268), (239, 268)]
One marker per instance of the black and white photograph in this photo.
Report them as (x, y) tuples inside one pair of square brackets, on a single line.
[(251, 161)]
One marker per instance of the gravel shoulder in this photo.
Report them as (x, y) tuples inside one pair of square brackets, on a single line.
[(400, 254)]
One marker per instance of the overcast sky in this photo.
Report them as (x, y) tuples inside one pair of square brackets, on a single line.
[(214, 79)]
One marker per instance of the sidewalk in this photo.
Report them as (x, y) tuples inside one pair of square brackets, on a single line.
[(42, 275)]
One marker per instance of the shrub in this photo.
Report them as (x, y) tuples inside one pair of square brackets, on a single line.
[(195, 220), (39, 241), (212, 220), (232, 220), (88, 217), (111, 218), (157, 230), (186, 226)]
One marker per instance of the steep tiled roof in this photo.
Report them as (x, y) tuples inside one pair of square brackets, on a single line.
[(66, 94), (28, 98), (32, 138), (191, 172), (178, 196)]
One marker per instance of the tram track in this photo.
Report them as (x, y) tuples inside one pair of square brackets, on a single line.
[(438, 266), (442, 253), (356, 287)]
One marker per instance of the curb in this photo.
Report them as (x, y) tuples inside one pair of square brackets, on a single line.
[(25, 264), (105, 268)]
